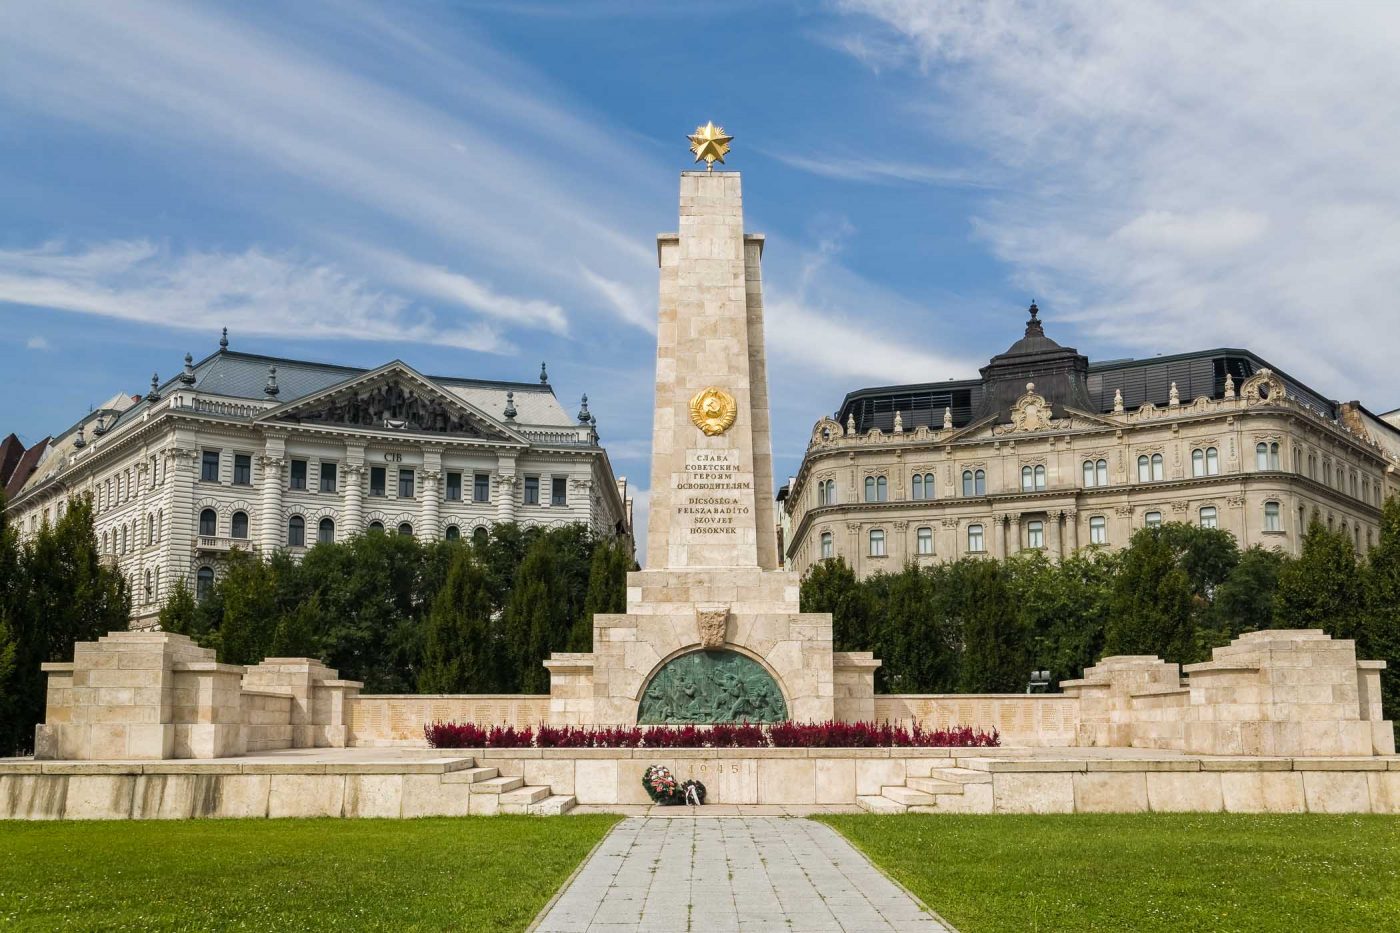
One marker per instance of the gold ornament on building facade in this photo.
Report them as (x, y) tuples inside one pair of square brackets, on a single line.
[(709, 144), (713, 410)]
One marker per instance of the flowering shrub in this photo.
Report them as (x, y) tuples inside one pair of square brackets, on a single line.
[(721, 735)]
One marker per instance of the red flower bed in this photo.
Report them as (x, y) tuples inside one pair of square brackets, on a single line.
[(722, 735)]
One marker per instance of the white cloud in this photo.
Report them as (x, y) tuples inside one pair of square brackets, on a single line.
[(37, 343), (253, 292), (1178, 175), (622, 299), (858, 168)]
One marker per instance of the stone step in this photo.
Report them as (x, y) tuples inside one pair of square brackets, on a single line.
[(497, 785), (877, 804), (469, 776), (554, 805), (520, 800), (962, 775), (906, 796), (931, 785)]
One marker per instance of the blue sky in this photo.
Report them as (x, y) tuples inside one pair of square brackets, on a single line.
[(475, 187)]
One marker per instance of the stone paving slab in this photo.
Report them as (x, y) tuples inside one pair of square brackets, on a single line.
[(738, 874)]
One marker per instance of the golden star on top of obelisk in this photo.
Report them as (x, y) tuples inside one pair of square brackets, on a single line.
[(709, 143)]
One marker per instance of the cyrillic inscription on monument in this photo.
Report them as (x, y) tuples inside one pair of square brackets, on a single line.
[(714, 493)]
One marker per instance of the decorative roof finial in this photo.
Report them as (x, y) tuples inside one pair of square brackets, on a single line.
[(154, 394), (583, 413), (544, 375), (510, 406), (187, 377), (1118, 401), (1173, 396), (101, 427), (851, 424), (1229, 385), (223, 341), (1033, 326), (711, 144), (271, 388), (80, 442), (947, 418), (898, 423)]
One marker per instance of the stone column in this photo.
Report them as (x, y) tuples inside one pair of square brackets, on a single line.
[(270, 465), (1014, 539), (1072, 526), (353, 518), (180, 518), (1052, 523), (999, 537), (429, 505), (506, 492)]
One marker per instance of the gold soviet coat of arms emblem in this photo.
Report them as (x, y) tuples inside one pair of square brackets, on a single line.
[(713, 410)]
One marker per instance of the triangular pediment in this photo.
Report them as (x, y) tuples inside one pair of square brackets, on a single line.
[(394, 397)]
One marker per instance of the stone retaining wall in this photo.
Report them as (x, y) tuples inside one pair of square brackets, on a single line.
[(1039, 719)]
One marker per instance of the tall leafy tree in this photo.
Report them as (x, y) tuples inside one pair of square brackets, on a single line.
[(461, 650), (607, 588), (1062, 607), (1244, 601), (536, 618), (1381, 633), (994, 647), (1152, 610), (831, 586), (1323, 587)]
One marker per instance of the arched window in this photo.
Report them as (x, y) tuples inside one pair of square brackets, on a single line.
[(917, 487), (238, 527), (452, 533), (150, 530), (1198, 462), (1273, 455), (376, 526), (979, 482), (1027, 479), (967, 482), (976, 542), (1035, 534), (924, 539), (1272, 518), (1212, 462), (1152, 520), (870, 489), (1261, 456), (480, 535), (1209, 516), (208, 523), (1098, 530), (203, 583), (877, 543), (1144, 469), (831, 496), (1157, 471), (1101, 472), (150, 590), (1088, 474), (1040, 476), (882, 489), (325, 531), (1354, 481), (124, 539), (106, 545), (296, 531), (406, 530), (828, 546), (160, 523)]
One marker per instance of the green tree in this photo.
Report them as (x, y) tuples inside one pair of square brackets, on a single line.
[(248, 588), (1244, 601), (536, 617), (1152, 610), (1381, 634), (831, 586), (179, 612), (1062, 608), (461, 653), (1323, 587), (994, 658), (607, 588)]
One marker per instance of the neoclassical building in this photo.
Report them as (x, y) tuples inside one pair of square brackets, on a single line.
[(1049, 451), (255, 452)]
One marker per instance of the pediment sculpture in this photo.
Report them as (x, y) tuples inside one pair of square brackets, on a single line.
[(1031, 412), (393, 405)]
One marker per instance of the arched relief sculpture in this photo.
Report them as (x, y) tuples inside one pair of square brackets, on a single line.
[(710, 687)]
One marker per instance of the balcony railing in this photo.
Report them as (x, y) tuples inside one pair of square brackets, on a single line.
[(221, 544)]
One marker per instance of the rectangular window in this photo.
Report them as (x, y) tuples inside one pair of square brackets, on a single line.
[(1035, 534), (1152, 519), (242, 470), (481, 487), (975, 542), (1209, 517), (454, 487), (209, 467), (828, 548), (327, 477), (298, 474), (925, 541), (1098, 530), (558, 491), (532, 490), (405, 484), (1272, 520), (376, 481)]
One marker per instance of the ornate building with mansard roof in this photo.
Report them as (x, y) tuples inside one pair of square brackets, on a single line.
[(1049, 451), (261, 453)]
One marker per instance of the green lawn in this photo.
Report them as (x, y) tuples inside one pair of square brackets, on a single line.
[(987, 874), (474, 873)]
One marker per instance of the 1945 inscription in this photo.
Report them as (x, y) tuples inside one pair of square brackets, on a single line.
[(711, 492)]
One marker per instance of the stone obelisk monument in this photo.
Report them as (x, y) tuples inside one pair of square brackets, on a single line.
[(712, 631)]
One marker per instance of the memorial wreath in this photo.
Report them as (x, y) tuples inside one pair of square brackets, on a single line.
[(663, 788)]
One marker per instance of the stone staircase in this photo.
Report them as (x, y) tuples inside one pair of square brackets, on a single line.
[(494, 793), (943, 790)]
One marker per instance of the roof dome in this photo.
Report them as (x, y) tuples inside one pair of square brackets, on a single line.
[(1035, 340)]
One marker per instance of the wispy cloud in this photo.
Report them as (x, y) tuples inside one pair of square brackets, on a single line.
[(255, 292), (882, 171), (37, 343), (1179, 174)]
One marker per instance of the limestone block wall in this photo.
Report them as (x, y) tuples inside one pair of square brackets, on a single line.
[(398, 719), (853, 675), (157, 695), (1034, 720)]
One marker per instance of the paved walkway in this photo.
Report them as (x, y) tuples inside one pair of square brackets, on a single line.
[(738, 874)]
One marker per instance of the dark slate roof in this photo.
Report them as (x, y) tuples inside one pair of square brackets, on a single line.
[(1092, 387), (25, 468), (11, 449)]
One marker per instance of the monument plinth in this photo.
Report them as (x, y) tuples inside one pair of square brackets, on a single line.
[(712, 631)]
